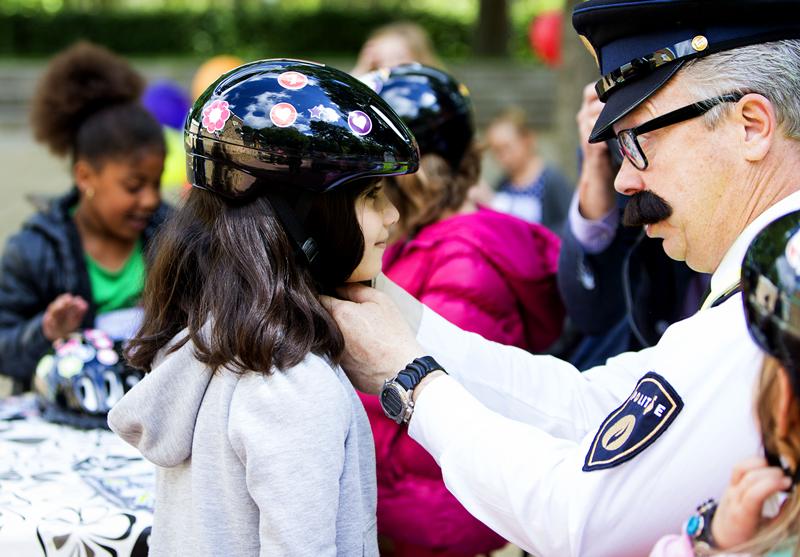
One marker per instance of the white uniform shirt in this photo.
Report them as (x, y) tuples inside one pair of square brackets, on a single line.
[(511, 431)]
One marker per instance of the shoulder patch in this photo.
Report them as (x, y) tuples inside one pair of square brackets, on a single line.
[(635, 425)]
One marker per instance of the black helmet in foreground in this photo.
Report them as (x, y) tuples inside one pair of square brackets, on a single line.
[(292, 124), (771, 291), (433, 105)]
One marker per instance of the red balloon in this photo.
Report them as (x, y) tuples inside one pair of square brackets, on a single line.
[(544, 35)]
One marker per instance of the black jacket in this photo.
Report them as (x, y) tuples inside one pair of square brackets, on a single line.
[(40, 262), (631, 279)]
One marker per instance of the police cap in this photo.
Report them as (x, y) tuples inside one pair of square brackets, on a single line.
[(640, 44)]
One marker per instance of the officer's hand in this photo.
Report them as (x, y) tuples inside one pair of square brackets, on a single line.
[(63, 316), (738, 515), (378, 341), (596, 184)]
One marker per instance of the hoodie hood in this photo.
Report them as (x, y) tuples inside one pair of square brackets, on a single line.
[(158, 415)]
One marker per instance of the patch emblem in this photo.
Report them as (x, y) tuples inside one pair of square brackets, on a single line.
[(635, 425), (283, 115), (359, 122), (215, 115), (293, 80)]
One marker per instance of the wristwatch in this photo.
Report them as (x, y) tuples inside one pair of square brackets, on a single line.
[(395, 395), (698, 528)]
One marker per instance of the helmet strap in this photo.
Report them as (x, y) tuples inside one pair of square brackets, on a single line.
[(292, 218)]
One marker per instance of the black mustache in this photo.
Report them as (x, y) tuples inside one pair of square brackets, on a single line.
[(645, 207)]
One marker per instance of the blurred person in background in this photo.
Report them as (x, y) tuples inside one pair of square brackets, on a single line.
[(211, 70), (397, 43), (530, 189), (619, 287), (485, 271), (169, 103), (80, 263)]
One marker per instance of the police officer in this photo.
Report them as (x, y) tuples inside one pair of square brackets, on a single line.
[(702, 96)]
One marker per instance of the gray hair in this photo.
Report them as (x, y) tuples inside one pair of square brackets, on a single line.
[(771, 69)]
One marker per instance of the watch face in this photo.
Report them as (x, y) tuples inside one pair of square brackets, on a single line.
[(392, 402)]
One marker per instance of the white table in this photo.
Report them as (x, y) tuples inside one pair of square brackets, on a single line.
[(71, 492)]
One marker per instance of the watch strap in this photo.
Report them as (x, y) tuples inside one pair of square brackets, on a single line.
[(413, 373)]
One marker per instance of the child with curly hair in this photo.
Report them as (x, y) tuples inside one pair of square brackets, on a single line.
[(81, 261)]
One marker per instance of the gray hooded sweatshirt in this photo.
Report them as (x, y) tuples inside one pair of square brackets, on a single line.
[(247, 465)]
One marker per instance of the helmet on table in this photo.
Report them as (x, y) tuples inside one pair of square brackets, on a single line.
[(433, 104), (81, 379)]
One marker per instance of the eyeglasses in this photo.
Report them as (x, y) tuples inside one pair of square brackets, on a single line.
[(628, 139)]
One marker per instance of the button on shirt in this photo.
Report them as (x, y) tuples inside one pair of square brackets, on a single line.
[(511, 430)]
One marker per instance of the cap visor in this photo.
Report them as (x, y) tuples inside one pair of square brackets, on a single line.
[(628, 97)]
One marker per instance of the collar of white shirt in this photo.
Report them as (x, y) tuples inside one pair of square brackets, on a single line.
[(729, 270)]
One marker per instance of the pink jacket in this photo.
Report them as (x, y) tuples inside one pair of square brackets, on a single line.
[(489, 273)]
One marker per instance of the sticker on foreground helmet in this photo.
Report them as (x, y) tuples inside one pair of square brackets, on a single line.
[(793, 252), (324, 113), (283, 115), (215, 114), (292, 80), (359, 122)]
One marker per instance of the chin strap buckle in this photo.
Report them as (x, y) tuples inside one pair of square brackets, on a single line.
[(310, 249)]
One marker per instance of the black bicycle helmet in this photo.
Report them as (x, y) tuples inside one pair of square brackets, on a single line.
[(433, 104), (288, 129), (771, 291), (81, 378)]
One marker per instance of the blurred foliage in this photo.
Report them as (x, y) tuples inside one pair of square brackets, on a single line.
[(248, 28)]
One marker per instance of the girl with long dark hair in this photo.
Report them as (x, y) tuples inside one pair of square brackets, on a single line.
[(262, 445)]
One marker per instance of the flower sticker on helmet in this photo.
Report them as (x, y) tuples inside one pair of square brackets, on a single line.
[(215, 114), (283, 115)]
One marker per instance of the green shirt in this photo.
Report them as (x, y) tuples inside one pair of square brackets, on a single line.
[(117, 290)]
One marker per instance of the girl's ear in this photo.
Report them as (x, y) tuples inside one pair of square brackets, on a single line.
[(85, 176)]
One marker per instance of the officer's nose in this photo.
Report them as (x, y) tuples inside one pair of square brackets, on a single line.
[(629, 179)]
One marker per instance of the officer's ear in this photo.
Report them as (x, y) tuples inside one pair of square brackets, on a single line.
[(756, 114)]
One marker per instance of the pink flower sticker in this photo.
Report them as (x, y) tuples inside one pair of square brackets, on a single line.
[(215, 115)]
